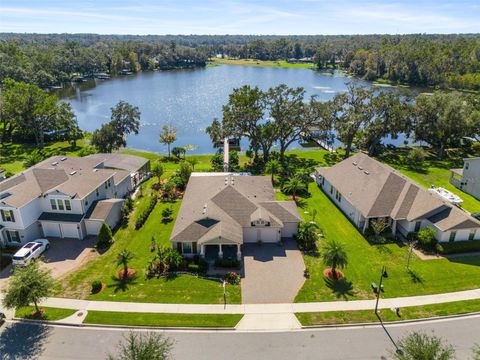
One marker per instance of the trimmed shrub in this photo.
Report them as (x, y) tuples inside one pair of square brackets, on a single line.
[(232, 278), (105, 237), (460, 247), (96, 286), (143, 216), (167, 215), (227, 263)]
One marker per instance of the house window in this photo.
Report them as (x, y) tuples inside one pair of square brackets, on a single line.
[(68, 206), (453, 234), (7, 215), (53, 204), (96, 192), (106, 184), (466, 165), (323, 181), (338, 196), (331, 189), (417, 225), (60, 204), (194, 247), (471, 236), (12, 236), (187, 247)]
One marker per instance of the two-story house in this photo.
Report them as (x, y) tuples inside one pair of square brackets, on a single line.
[(468, 178), (67, 197)]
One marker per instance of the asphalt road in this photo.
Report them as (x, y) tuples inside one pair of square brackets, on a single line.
[(32, 341)]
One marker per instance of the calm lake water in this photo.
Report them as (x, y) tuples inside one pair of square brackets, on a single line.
[(187, 99)]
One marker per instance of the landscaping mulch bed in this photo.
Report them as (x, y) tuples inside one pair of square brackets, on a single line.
[(338, 275), (130, 274)]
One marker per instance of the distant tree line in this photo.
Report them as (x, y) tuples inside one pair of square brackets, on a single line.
[(417, 59), (48, 64)]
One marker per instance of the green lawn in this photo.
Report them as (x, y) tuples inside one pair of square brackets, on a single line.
[(406, 313), (162, 319), (50, 314), (181, 289), (365, 263), (261, 63), (433, 172), (12, 156)]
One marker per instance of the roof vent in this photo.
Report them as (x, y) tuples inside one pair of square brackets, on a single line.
[(354, 163), (366, 172), (361, 168), (55, 163), (63, 158), (73, 173)]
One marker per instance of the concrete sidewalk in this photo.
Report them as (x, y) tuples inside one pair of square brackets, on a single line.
[(261, 308)]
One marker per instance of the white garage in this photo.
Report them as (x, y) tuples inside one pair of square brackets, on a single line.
[(70, 231), (265, 234), (51, 229)]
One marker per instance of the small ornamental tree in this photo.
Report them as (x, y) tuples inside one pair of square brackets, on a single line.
[(143, 346), (28, 284), (157, 171), (293, 186), (334, 255), (420, 346), (426, 237), (105, 237)]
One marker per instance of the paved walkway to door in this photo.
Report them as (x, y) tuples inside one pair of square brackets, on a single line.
[(272, 273)]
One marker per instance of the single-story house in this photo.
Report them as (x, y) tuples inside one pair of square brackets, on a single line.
[(222, 211), (366, 189)]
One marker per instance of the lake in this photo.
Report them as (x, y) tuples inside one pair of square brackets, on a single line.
[(187, 99)]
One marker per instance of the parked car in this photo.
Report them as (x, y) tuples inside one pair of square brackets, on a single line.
[(30, 251)]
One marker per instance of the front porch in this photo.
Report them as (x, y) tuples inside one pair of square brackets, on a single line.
[(211, 252)]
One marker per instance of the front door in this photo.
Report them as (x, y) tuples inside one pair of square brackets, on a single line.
[(259, 235)]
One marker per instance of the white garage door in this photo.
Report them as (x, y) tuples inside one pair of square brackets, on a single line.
[(51, 229), (70, 231), (269, 235)]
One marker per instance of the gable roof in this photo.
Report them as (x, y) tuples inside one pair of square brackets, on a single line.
[(74, 176), (377, 190), (218, 206)]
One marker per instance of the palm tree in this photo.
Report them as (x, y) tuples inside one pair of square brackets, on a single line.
[(334, 255), (123, 259), (293, 186), (307, 236), (151, 346), (272, 167)]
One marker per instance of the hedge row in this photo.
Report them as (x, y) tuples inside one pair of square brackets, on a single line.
[(143, 216), (460, 247)]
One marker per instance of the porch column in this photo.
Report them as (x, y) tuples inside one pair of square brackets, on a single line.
[(365, 226), (202, 250), (394, 227), (239, 253), (220, 252)]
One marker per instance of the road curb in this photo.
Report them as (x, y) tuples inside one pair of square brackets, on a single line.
[(408, 321), (109, 326)]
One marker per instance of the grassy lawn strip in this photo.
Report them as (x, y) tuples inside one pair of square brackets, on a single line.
[(162, 319), (407, 313), (365, 263), (262, 63), (50, 313)]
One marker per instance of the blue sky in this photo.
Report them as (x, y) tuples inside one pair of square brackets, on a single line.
[(280, 17)]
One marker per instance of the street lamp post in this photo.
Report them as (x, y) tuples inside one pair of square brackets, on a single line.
[(379, 290)]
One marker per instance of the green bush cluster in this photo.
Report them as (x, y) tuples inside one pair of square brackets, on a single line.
[(460, 247), (143, 216), (96, 286)]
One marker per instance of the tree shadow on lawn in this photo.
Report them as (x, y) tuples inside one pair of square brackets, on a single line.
[(415, 276), (122, 284), (23, 341), (341, 288)]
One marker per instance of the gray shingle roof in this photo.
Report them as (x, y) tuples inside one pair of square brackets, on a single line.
[(126, 162), (61, 217), (230, 201), (99, 210), (377, 190)]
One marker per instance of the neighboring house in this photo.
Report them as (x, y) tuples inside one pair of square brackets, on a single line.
[(67, 197), (222, 211), (468, 178), (366, 189)]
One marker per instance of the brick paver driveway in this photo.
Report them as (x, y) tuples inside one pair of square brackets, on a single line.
[(272, 273)]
